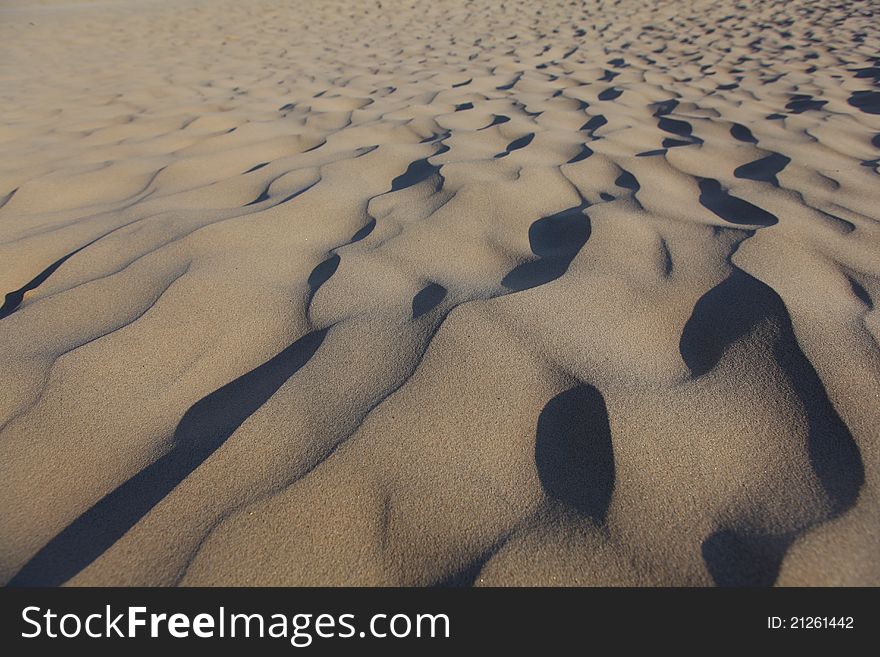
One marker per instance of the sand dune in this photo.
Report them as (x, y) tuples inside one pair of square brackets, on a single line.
[(439, 292)]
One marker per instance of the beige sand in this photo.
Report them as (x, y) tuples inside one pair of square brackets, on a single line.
[(426, 291)]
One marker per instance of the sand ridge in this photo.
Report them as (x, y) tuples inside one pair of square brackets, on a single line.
[(414, 293)]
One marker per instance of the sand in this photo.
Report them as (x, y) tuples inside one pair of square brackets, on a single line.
[(439, 292)]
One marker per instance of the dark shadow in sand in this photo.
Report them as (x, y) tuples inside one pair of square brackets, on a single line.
[(727, 313), (584, 153), (738, 560), (668, 142), (627, 181), (610, 94), (201, 431), (364, 231), (497, 119), (677, 127), (516, 144), (13, 299), (663, 107), (594, 124), (463, 578), (720, 317), (865, 101), (573, 451), (321, 274), (416, 172), (509, 85), (8, 197), (742, 133), (263, 196), (732, 208), (652, 153), (868, 72), (861, 293), (804, 103), (556, 240), (468, 573), (427, 298), (763, 170)]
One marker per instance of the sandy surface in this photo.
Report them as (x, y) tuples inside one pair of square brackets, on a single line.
[(439, 292)]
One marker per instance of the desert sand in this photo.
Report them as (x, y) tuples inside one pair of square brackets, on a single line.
[(439, 292)]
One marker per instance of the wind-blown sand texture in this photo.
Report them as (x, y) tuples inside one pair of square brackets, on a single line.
[(439, 292)]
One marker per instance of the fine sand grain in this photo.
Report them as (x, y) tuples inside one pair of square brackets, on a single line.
[(439, 292)]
